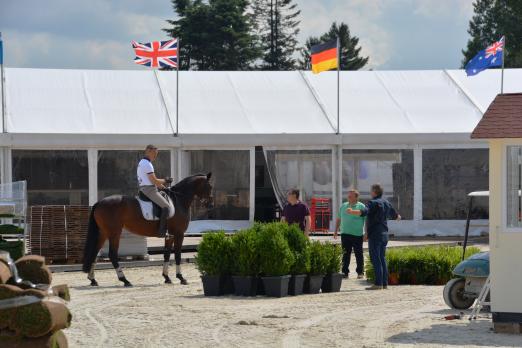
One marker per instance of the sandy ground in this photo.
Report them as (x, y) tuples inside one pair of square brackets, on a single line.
[(153, 314)]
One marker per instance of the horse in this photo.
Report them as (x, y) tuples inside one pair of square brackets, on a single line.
[(112, 214)]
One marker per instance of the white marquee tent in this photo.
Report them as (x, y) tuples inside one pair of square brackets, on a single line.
[(391, 124)]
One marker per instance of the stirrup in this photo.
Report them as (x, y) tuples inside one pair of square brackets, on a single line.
[(168, 236)]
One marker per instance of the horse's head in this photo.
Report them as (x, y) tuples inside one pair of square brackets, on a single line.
[(203, 189)]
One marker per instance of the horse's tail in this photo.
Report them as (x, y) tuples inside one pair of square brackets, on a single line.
[(90, 251)]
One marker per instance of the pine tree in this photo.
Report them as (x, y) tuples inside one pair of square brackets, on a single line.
[(493, 19), (277, 25), (351, 58), (214, 35)]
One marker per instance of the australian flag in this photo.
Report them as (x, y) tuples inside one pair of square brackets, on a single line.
[(490, 57)]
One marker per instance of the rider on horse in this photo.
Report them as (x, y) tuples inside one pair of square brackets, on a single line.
[(149, 185)]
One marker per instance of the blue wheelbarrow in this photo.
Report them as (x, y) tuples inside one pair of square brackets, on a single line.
[(470, 274)]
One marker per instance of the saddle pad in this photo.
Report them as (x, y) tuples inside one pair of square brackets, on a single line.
[(147, 209)]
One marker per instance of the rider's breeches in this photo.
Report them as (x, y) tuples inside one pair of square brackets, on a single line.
[(154, 195)]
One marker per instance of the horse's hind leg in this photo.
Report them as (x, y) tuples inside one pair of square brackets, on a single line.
[(90, 276), (166, 260), (114, 244)]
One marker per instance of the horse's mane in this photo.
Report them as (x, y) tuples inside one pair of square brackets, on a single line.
[(186, 181)]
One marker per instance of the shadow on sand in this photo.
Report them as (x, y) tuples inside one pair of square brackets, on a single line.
[(463, 333)]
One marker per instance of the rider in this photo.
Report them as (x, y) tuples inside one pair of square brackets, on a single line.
[(149, 185)]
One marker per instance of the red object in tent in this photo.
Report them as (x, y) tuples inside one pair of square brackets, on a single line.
[(320, 214)]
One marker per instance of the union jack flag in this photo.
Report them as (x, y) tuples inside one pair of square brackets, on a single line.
[(157, 53)]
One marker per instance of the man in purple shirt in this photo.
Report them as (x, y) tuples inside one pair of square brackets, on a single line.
[(296, 212)]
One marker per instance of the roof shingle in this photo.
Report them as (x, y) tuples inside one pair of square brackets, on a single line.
[(503, 118)]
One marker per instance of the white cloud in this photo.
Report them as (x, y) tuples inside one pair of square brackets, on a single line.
[(363, 17)]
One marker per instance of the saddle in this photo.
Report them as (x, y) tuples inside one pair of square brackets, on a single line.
[(150, 210)]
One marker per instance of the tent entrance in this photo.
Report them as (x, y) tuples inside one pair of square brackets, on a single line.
[(266, 206)]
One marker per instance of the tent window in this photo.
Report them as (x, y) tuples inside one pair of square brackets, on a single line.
[(448, 175), (53, 177), (514, 186), (391, 168), (117, 171), (230, 180)]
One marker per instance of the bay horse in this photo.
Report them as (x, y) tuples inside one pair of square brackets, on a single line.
[(112, 214)]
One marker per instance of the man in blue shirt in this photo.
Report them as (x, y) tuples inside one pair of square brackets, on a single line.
[(377, 211)]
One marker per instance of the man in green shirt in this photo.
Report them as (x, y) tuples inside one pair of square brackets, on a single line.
[(352, 231)]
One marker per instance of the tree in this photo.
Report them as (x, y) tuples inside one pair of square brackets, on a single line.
[(351, 58), (493, 19), (277, 26), (214, 35)]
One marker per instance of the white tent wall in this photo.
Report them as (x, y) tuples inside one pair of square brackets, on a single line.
[(120, 110)]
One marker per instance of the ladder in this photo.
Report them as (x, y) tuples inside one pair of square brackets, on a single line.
[(481, 300)]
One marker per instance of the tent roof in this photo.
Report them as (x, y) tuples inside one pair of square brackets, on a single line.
[(249, 102)]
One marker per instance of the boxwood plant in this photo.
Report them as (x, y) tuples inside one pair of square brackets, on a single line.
[(215, 255), (275, 256)]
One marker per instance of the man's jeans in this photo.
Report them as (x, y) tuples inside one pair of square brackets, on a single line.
[(350, 242), (377, 245)]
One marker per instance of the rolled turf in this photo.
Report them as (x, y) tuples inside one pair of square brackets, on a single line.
[(33, 269)]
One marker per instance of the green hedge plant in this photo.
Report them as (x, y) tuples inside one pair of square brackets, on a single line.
[(246, 256), (300, 247), (215, 255), (275, 256), (334, 255), (429, 265), (318, 258)]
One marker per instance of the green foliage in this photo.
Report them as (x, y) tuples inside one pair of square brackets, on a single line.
[(318, 258), (215, 254), (275, 255), (277, 26), (334, 255), (298, 243), (214, 34), (491, 20), (14, 248), (11, 229), (351, 58), (430, 265), (246, 256)]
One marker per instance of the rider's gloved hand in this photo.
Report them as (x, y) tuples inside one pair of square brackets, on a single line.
[(168, 180)]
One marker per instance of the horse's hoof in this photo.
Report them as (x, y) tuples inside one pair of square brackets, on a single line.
[(125, 282), (94, 282), (127, 285), (167, 280), (182, 280)]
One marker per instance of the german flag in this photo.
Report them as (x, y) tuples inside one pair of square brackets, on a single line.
[(324, 56)]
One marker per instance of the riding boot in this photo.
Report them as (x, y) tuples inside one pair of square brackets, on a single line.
[(162, 231)]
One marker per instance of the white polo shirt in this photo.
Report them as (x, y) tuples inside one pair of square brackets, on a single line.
[(145, 168)]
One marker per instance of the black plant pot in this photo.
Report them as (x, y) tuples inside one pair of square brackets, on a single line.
[(313, 284), (245, 285), (276, 286), (212, 285), (296, 285), (227, 286), (260, 286), (332, 282)]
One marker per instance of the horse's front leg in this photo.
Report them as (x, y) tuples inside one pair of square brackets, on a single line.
[(166, 260), (177, 256)]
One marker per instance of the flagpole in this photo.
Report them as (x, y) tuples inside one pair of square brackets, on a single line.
[(2, 82), (338, 79), (177, 88), (502, 73)]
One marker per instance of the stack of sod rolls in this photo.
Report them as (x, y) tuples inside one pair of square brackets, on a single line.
[(32, 317)]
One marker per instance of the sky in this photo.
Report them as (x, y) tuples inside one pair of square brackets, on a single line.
[(96, 34)]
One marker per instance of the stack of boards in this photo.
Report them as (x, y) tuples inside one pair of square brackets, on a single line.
[(32, 317)]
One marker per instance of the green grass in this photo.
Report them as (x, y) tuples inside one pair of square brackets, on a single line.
[(429, 265)]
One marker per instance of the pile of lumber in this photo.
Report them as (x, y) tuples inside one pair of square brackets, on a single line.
[(32, 317), (58, 232)]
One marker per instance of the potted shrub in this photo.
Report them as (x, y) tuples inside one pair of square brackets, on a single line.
[(299, 245), (318, 263), (333, 279), (246, 262), (276, 259), (214, 260)]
